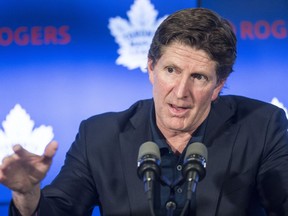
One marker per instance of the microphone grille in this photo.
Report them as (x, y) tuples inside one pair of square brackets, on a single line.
[(198, 149), (149, 148)]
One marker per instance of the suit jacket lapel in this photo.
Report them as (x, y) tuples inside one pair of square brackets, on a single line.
[(130, 141), (219, 138)]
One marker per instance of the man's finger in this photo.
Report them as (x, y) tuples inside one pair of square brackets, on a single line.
[(20, 151), (50, 150), (7, 160)]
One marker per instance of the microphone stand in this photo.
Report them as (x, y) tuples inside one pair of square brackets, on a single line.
[(149, 188), (170, 206), (193, 179)]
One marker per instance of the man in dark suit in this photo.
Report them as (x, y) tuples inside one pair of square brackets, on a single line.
[(190, 58)]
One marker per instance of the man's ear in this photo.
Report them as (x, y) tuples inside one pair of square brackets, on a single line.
[(150, 69), (218, 89)]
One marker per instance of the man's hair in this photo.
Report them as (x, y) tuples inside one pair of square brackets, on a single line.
[(201, 29)]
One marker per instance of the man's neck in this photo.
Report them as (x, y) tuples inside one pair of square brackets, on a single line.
[(177, 141)]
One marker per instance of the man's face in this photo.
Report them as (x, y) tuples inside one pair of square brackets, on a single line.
[(184, 84)]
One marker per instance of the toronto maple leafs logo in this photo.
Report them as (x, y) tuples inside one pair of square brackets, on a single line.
[(134, 36), (18, 129)]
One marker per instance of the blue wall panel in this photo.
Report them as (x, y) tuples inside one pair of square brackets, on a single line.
[(58, 60)]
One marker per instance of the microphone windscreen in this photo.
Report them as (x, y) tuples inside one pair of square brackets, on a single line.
[(198, 149), (149, 148)]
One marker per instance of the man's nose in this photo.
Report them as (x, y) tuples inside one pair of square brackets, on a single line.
[(182, 88)]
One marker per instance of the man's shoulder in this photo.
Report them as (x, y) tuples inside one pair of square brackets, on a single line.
[(138, 109), (243, 105), (245, 102)]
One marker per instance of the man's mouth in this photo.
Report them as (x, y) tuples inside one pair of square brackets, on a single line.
[(178, 109)]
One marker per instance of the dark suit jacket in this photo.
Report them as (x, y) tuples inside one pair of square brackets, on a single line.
[(247, 167)]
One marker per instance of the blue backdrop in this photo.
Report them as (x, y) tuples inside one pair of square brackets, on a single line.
[(63, 62)]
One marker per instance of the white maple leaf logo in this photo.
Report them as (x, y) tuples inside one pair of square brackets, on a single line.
[(276, 102), (18, 129), (134, 36)]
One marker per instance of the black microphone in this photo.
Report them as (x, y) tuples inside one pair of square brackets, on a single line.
[(194, 168), (148, 168)]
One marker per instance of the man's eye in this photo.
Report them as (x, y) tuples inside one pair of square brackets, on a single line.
[(199, 77), (170, 69)]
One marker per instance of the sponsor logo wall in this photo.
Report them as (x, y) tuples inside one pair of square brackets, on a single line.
[(63, 61), (262, 31)]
